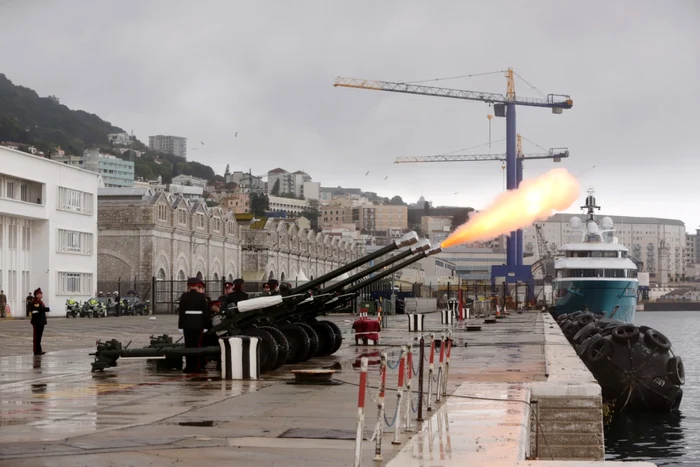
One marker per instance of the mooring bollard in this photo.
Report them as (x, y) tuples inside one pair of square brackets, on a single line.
[(421, 355), (361, 411), (415, 322), (379, 429), (441, 368), (446, 316), (431, 368), (399, 396), (447, 363), (409, 399), (240, 358)]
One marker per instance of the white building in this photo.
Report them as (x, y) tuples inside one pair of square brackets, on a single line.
[(658, 243), (189, 192), (188, 180), (175, 145), (48, 230), (294, 183), (122, 139), (311, 190), (288, 205)]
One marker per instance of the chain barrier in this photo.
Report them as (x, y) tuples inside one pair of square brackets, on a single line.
[(389, 424)]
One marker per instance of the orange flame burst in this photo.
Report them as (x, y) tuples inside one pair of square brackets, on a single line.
[(535, 200)]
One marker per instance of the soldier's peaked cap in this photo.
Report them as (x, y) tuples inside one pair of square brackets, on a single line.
[(193, 281), (238, 282)]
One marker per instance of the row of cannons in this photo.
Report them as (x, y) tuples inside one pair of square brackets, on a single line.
[(262, 334)]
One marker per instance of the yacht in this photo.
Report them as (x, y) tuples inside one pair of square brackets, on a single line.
[(595, 274)]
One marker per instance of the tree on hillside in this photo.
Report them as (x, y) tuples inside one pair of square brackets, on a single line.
[(426, 208), (312, 213), (275, 188), (397, 201), (227, 172), (259, 204)]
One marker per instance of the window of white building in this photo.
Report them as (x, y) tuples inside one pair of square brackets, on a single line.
[(12, 236), (75, 201), (78, 283), (70, 241), (162, 212), (26, 238)]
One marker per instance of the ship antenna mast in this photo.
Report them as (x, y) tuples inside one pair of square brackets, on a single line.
[(591, 205)]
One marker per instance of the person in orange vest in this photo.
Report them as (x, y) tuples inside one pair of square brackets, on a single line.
[(38, 321)]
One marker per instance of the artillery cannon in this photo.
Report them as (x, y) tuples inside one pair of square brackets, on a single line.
[(286, 325)]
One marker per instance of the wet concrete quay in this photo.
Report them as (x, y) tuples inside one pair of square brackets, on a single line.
[(55, 412)]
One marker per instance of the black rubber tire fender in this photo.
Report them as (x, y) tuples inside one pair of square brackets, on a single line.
[(268, 348), (326, 337), (656, 340), (585, 319), (581, 351), (298, 342), (584, 333), (625, 333), (282, 346), (676, 370), (599, 351), (313, 341), (338, 335)]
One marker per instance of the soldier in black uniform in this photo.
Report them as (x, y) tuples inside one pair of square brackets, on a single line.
[(38, 321), (228, 288), (266, 290), (273, 287), (194, 319), (238, 295)]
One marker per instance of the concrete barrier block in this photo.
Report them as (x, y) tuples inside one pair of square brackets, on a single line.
[(240, 357), (568, 415)]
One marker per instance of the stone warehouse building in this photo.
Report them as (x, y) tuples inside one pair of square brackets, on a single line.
[(143, 234)]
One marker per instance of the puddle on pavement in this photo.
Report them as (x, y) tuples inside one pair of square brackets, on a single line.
[(194, 423)]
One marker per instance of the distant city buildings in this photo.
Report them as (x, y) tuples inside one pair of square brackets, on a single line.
[(296, 183), (368, 217), (175, 145), (238, 204), (188, 180), (287, 205), (115, 172), (120, 139)]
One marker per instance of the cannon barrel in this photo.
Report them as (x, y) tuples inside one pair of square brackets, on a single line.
[(421, 246), (398, 267), (407, 240)]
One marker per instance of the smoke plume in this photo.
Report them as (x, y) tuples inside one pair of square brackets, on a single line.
[(535, 200)]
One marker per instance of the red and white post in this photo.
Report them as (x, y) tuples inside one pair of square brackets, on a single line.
[(361, 411), (399, 396), (379, 428), (447, 363), (441, 369), (409, 379), (431, 368)]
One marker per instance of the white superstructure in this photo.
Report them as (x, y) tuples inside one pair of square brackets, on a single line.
[(48, 230)]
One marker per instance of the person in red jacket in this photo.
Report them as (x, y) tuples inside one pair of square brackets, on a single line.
[(38, 321)]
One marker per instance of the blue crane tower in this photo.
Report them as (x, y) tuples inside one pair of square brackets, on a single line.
[(504, 106)]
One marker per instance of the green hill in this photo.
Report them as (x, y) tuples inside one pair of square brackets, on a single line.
[(25, 117), (44, 122)]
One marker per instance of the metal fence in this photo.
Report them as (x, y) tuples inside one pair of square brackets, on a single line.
[(125, 288)]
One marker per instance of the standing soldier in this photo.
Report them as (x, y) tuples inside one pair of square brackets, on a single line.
[(194, 319), (238, 295), (38, 321), (3, 303), (273, 287), (266, 290), (29, 304), (228, 288)]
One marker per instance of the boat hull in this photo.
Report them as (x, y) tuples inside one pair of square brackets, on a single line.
[(599, 296)]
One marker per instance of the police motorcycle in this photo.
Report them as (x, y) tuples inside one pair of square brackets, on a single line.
[(72, 308), (93, 308)]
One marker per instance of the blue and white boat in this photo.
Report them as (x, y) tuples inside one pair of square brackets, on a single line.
[(595, 274)]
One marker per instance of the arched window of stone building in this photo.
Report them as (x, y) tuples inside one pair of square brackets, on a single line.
[(271, 276), (199, 275), (312, 277), (181, 275), (160, 276), (282, 277), (230, 277), (216, 277)]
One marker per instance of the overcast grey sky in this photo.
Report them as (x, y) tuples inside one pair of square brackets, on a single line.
[(210, 68)]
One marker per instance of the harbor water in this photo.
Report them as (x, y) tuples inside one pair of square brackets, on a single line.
[(672, 439)]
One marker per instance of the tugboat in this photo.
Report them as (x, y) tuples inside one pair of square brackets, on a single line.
[(595, 274)]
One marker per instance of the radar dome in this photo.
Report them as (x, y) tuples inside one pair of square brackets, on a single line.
[(606, 223), (575, 223)]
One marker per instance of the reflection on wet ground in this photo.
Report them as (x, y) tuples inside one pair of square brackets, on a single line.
[(53, 408)]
